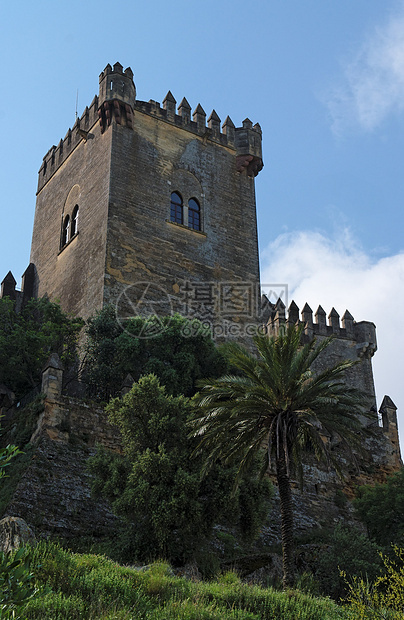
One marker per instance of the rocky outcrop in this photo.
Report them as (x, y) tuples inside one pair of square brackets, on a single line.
[(54, 493), (14, 533)]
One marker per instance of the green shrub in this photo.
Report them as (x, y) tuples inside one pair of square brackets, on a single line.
[(17, 583), (156, 486), (28, 337), (177, 351), (382, 599), (350, 551), (381, 508)]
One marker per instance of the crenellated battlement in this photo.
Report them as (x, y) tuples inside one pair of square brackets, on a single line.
[(27, 292), (363, 333), (117, 103), (246, 140), (56, 155)]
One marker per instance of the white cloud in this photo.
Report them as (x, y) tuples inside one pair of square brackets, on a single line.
[(372, 86), (338, 273)]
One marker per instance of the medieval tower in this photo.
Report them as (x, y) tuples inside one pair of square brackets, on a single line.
[(152, 209), (146, 204)]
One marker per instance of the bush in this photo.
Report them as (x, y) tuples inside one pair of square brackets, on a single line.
[(349, 551), (381, 508), (157, 487), (27, 338), (382, 599), (175, 353), (17, 583)]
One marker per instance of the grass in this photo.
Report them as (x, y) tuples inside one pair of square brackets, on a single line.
[(94, 587)]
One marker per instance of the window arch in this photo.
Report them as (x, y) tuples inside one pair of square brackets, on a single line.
[(177, 208), (75, 221), (194, 214), (65, 230)]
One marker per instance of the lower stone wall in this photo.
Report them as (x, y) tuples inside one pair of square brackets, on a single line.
[(70, 420), (54, 493)]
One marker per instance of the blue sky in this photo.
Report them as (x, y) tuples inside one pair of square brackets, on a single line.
[(324, 78)]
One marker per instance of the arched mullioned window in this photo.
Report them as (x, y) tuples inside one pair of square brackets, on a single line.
[(75, 221), (177, 208), (194, 214), (66, 230)]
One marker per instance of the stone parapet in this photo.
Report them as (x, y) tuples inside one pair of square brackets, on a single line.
[(71, 420), (117, 103), (363, 333)]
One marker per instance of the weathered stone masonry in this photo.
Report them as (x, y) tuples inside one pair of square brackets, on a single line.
[(119, 164), (103, 223)]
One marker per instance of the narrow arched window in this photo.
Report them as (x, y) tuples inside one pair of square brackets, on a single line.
[(75, 221), (65, 231), (176, 208), (194, 214)]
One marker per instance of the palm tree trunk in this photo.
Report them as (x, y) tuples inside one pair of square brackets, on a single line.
[(285, 495)]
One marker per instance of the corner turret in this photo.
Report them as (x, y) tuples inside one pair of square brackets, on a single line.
[(388, 412), (117, 84), (249, 148), (117, 96)]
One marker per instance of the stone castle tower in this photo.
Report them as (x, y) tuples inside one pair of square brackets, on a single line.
[(152, 209), (144, 205)]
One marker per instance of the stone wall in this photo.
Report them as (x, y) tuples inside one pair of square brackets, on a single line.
[(74, 274), (54, 494), (143, 245), (119, 164)]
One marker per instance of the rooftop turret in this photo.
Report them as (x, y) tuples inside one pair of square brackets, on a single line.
[(116, 84)]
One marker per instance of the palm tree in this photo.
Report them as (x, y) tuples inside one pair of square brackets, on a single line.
[(277, 401)]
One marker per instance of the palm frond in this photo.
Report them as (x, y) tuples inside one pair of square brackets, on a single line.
[(277, 402)]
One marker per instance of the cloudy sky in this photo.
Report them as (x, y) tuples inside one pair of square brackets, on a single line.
[(324, 79)]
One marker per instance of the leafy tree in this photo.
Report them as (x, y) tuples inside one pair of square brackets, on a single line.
[(350, 551), (176, 351), (28, 338), (278, 402), (381, 508), (157, 487)]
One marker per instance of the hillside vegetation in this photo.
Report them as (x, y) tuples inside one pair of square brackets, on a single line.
[(174, 494), (94, 587)]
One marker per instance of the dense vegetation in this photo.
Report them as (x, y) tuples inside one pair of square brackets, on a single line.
[(344, 549), (381, 508), (28, 338), (157, 486), (176, 351), (93, 587)]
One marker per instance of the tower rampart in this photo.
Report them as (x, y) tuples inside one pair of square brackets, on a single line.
[(104, 218), (352, 340), (117, 102)]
